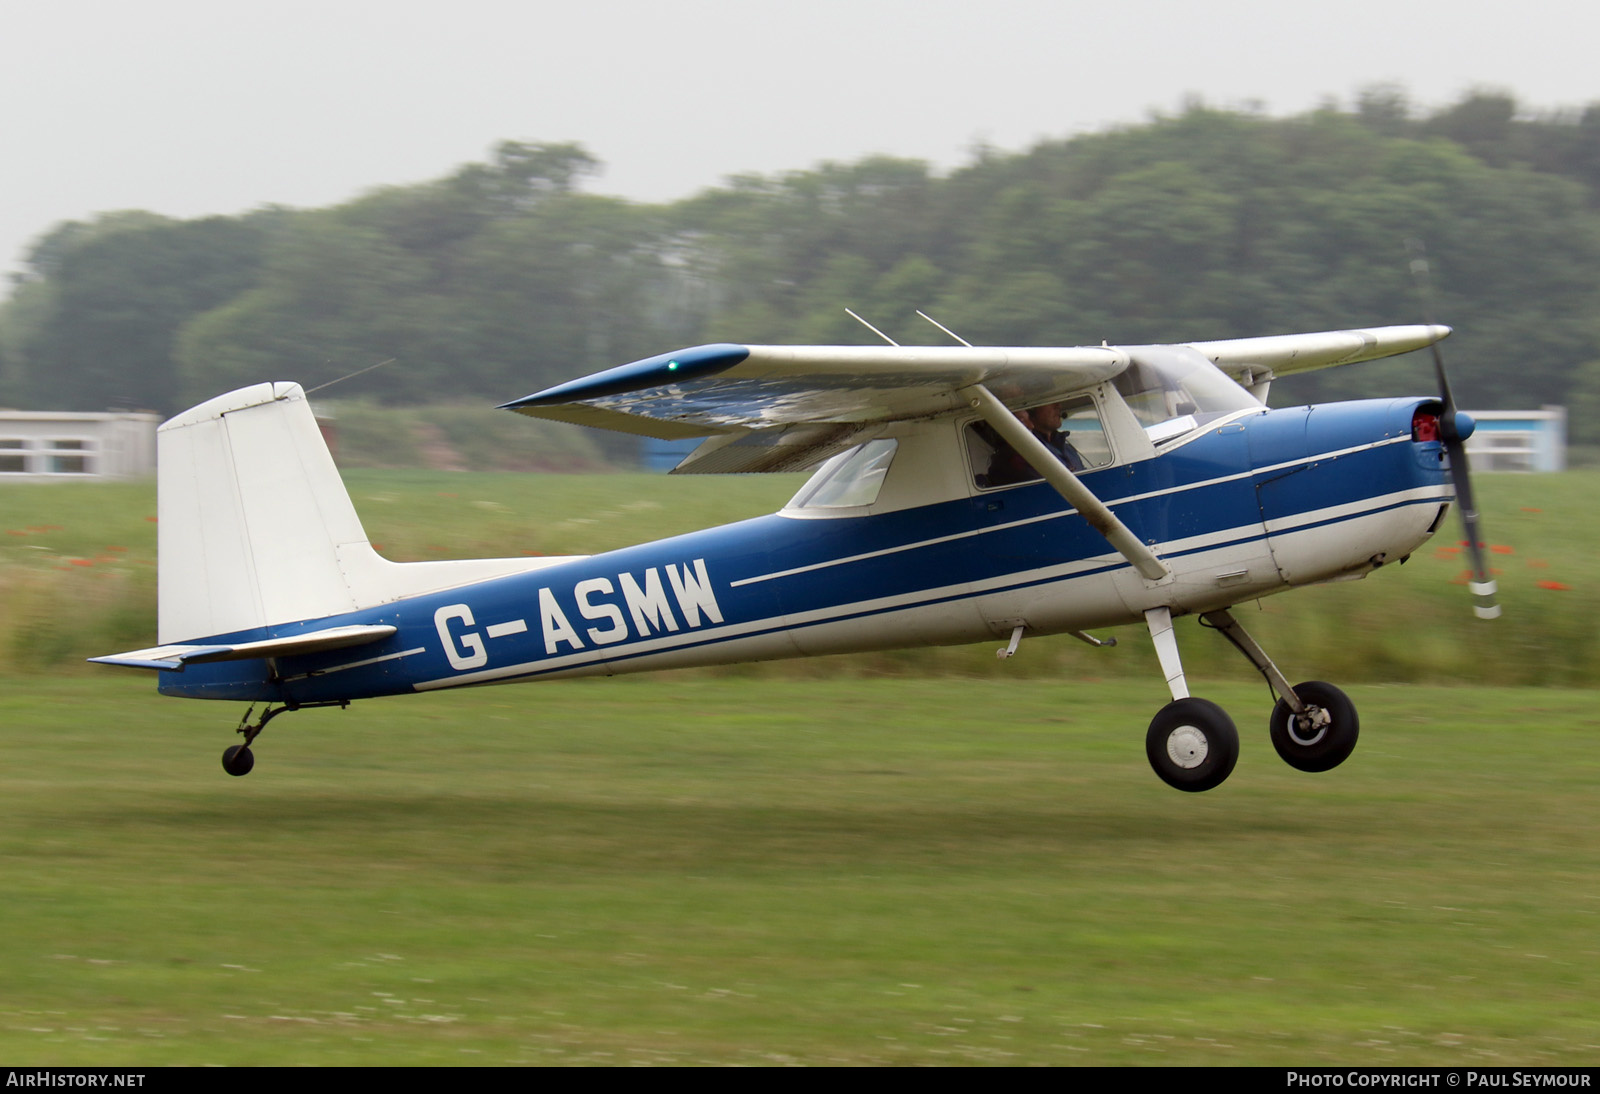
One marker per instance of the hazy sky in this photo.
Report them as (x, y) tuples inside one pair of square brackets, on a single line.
[(190, 107)]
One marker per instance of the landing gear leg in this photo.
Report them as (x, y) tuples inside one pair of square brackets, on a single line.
[(238, 759), (1192, 743), (1314, 725)]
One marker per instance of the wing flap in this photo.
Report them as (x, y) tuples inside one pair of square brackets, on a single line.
[(789, 448), (622, 422)]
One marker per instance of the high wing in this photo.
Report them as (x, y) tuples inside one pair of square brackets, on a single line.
[(722, 388), (787, 408), (1251, 361)]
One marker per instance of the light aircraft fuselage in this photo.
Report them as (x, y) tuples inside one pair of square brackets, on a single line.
[(1253, 506), (963, 494)]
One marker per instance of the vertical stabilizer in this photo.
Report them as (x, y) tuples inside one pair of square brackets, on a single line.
[(252, 515), (257, 529)]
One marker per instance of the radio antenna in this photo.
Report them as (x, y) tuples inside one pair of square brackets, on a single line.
[(870, 327), (352, 375), (944, 328)]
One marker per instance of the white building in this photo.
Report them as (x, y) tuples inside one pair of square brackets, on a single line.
[(1519, 440), (54, 446)]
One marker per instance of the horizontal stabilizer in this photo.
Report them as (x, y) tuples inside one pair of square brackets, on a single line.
[(174, 658)]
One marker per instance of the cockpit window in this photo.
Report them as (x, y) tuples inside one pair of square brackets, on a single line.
[(1175, 392), (1071, 429), (849, 479)]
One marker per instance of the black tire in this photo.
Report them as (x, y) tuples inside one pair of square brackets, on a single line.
[(1192, 744), (238, 760), (1321, 745)]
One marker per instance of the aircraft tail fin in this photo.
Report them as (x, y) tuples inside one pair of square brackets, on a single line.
[(256, 527), (252, 516)]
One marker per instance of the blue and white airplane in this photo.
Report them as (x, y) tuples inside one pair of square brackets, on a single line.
[(964, 493)]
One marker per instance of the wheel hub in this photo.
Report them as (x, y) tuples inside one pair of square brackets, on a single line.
[(1187, 747), (1307, 729)]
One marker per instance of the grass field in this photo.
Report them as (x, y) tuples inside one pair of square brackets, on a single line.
[(677, 869)]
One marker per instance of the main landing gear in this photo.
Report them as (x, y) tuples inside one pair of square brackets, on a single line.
[(238, 760), (1193, 744)]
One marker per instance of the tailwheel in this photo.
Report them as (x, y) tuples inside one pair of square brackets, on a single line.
[(1321, 738), (238, 760), (1192, 744)]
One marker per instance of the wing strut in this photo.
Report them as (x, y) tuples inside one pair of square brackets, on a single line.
[(1056, 473)]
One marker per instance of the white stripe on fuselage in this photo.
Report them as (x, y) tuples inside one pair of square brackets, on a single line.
[(1281, 525)]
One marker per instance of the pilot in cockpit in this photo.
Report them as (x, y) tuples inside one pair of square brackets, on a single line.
[(1007, 466), (1045, 421)]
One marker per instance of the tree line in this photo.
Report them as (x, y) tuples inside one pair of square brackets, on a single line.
[(507, 276)]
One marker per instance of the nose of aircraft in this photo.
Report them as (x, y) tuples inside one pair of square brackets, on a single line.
[(1283, 441), (1347, 486)]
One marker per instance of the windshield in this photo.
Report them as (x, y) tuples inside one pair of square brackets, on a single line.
[(1172, 391)]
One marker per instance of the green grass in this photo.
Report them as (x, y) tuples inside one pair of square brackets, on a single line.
[(690, 870)]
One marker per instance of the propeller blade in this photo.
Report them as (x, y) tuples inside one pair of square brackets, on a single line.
[(1483, 587), (1454, 429)]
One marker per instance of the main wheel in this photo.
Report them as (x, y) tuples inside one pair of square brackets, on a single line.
[(1192, 744), (1324, 736), (238, 760)]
